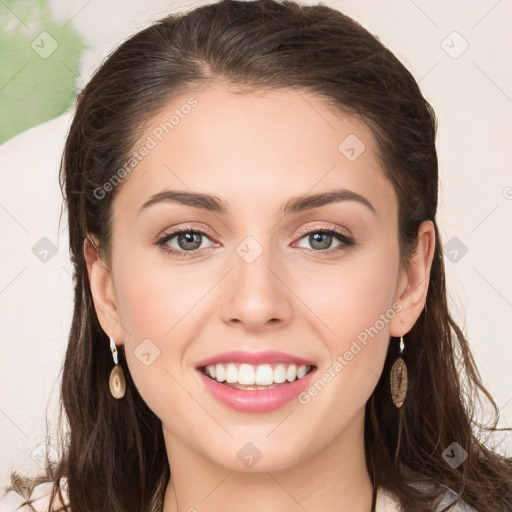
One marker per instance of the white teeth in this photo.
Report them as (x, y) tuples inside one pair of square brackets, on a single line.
[(279, 374), (220, 373), (301, 371), (231, 373), (261, 375), (264, 375), (246, 374), (291, 373)]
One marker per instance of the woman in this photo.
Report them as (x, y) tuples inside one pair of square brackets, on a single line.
[(260, 308)]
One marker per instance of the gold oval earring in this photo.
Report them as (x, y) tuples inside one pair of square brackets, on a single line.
[(117, 381), (398, 379)]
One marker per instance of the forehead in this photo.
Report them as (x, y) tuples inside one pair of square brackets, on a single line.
[(254, 149)]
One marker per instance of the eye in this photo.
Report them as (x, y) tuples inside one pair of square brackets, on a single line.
[(188, 240), (321, 239)]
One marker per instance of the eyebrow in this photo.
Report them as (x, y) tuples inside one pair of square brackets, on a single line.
[(297, 204)]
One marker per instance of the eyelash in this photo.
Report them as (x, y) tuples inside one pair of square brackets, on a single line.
[(345, 240)]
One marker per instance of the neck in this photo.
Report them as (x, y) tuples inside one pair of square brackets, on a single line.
[(333, 478)]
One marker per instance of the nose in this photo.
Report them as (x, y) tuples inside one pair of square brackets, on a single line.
[(255, 294)]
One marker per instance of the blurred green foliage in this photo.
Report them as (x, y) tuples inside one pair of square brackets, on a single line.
[(37, 71)]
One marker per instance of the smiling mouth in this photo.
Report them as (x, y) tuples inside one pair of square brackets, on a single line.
[(255, 377)]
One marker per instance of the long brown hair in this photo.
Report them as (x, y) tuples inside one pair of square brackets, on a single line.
[(114, 458)]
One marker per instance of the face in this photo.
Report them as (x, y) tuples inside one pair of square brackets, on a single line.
[(264, 270)]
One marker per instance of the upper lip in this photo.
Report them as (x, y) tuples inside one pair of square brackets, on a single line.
[(255, 358)]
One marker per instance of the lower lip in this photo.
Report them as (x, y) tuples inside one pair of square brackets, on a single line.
[(258, 400)]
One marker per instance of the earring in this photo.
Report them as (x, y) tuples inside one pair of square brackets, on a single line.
[(399, 378), (116, 382)]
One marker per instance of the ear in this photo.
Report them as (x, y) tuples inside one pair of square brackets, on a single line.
[(414, 281), (102, 290)]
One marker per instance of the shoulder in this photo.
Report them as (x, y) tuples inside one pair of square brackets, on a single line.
[(21, 500), (387, 501)]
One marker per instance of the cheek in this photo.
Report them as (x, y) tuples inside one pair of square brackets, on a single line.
[(153, 300), (351, 297), (152, 306), (356, 303)]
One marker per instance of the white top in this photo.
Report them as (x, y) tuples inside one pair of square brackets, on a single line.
[(386, 501)]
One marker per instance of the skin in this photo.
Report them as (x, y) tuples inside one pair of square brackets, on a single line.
[(256, 152)]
